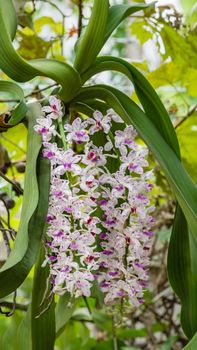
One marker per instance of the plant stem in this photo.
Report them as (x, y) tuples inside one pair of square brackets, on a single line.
[(61, 130)]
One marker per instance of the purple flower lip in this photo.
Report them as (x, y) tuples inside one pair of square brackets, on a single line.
[(143, 283), (92, 156), (127, 240), (98, 124), (119, 188), (146, 248), (68, 210), (80, 134), (50, 218), (54, 107), (103, 235), (139, 265), (49, 154), (103, 202), (128, 142), (104, 284), (141, 301), (59, 234), (152, 220), (121, 293), (65, 269), (89, 220), (89, 183), (107, 252), (44, 130), (113, 273), (58, 194), (150, 186), (141, 196), (90, 258), (132, 166), (148, 233), (52, 258), (73, 246), (133, 210), (110, 221), (103, 264), (67, 166)]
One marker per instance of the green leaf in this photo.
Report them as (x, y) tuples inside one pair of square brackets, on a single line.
[(178, 47), (31, 45), (20, 70), (56, 27), (192, 345), (118, 13), (24, 332), (64, 310), (8, 340), (182, 262), (34, 212), (166, 74), (187, 133), (42, 312), (92, 40), (20, 110), (141, 30)]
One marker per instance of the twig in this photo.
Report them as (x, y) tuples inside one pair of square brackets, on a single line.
[(34, 92), (18, 189), (7, 243), (10, 313), (9, 100), (192, 110), (12, 143), (18, 306), (5, 238), (80, 17), (8, 213)]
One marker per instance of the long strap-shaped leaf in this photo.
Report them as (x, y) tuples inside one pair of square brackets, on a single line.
[(183, 272), (182, 184), (178, 275), (118, 13), (20, 70), (34, 211), (153, 106), (42, 322), (92, 40), (20, 110)]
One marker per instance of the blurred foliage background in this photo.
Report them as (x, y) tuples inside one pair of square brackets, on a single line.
[(162, 43)]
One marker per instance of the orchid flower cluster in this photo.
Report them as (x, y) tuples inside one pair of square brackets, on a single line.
[(99, 218)]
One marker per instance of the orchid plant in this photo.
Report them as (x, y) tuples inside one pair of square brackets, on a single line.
[(86, 221)]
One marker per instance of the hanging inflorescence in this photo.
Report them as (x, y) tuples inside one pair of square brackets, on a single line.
[(99, 218)]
